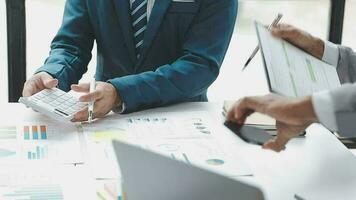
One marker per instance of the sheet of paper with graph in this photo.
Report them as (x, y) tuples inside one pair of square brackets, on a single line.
[(39, 141), (190, 137), (290, 70)]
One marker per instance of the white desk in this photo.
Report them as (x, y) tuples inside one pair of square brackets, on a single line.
[(353, 151), (317, 167)]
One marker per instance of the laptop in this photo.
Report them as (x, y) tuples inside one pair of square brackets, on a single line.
[(151, 176)]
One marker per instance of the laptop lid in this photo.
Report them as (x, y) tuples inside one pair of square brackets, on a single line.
[(151, 176)]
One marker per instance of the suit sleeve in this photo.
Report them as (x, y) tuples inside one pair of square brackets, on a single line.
[(203, 52), (344, 98), (347, 65), (344, 103), (71, 48)]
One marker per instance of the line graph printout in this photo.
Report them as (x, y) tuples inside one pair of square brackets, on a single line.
[(291, 71), (205, 153), (189, 137), (39, 182)]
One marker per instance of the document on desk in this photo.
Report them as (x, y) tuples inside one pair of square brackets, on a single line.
[(39, 142), (290, 70), (45, 182), (186, 136), (206, 153)]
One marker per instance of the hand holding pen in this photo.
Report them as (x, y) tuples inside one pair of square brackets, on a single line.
[(91, 103), (104, 95), (274, 23)]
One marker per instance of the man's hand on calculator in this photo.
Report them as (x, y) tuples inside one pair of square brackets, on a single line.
[(37, 83), (40, 94)]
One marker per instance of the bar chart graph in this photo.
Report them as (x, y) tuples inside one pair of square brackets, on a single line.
[(35, 132), (38, 153), (46, 192)]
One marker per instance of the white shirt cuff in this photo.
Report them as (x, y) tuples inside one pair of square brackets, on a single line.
[(331, 53), (324, 109), (121, 109)]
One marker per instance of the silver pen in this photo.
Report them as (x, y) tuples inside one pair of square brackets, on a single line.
[(91, 104), (275, 22)]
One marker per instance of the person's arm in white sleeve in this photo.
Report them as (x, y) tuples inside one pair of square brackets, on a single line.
[(331, 53), (324, 109), (322, 101)]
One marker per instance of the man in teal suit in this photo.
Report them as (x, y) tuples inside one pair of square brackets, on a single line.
[(150, 52)]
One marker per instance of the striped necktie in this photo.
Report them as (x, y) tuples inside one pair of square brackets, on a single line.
[(139, 23)]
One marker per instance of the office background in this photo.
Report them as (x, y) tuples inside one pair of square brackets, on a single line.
[(323, 18)]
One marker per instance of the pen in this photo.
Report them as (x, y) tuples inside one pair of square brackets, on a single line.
[(275, 22), (91, 104)]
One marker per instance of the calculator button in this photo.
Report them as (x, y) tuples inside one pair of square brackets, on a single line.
[(61, 107), (56, 103), (67, 104), (72, 101), (47, 100), (60, 100), (39, 95), (45, 91), (65, 97)]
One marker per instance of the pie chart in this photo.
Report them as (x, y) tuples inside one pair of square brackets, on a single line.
[(215, 162)]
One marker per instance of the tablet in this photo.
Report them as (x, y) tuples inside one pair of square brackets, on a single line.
[(291, 71), (249, 134)]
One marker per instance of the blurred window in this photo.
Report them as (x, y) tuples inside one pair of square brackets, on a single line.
[(40, 33), (310, 15), (3, 54), (349, 32)]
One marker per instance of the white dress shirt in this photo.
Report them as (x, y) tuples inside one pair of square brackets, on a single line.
[(322, 101)]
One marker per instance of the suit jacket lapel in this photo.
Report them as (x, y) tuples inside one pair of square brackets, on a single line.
[(122, 8), (158, 12)]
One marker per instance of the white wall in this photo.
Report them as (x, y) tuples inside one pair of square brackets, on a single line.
[(3, 54), (232, 83), (349, 33), (43, 20)]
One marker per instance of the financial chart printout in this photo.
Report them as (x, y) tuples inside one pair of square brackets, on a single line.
[(290, 70)]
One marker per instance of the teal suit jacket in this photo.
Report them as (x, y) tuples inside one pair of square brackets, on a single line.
[(184, 47)]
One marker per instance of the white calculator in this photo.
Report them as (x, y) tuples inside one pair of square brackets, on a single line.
[(54, 103)]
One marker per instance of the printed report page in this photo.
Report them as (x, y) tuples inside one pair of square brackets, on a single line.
[(291, 71)]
